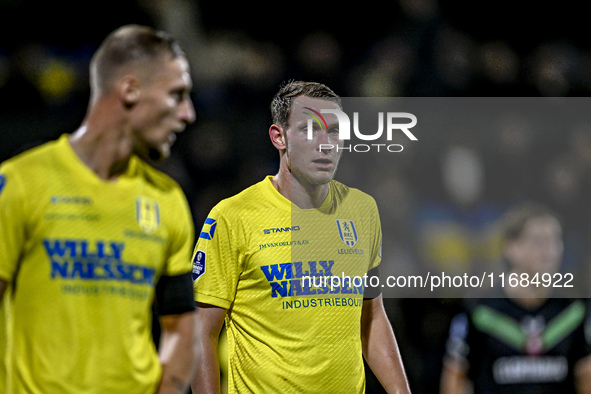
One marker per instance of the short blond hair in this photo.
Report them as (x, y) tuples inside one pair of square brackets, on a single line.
[(281, 103)]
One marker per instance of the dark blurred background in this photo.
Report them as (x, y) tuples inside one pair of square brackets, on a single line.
[(447, 197)]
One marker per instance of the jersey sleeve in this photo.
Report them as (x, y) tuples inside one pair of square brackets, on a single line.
[(376, 238), (12, 222), (182, 236), (216, 262)]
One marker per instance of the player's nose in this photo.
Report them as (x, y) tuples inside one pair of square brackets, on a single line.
[(187, 111)]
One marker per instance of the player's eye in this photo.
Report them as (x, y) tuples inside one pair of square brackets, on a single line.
[(179, 95)]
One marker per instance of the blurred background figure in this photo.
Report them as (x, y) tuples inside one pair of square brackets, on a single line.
[(522, 339)]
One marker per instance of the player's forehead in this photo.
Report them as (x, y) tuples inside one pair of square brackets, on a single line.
[(173, 72), (541, 225), (302, 106)]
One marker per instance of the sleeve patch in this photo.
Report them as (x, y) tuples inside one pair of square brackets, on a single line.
[(208, 229), (198, 264)]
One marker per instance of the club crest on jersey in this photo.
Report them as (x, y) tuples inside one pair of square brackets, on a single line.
[(147, 214), (347, 232), (198, 264), (208, 229), (2, 182)]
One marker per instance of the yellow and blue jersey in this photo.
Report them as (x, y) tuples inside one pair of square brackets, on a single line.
[(83, 256), (290, 326)]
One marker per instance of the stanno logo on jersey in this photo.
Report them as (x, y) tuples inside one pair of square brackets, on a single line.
[(280, 229), (198, 264), (347, 232), (147, 214), (208, 230), (2, 182)]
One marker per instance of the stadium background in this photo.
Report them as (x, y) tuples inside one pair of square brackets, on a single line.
[(241, 52)]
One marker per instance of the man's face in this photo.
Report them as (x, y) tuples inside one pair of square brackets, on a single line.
[(163, 109), (539, 248), (307, 162)]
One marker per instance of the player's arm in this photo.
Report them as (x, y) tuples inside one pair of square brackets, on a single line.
[(216, 272), (454, 378), (209, 326), (175, 306), (380, 348), (13, 216), (582, 367), (456, 362), (178, 350), (582, 372)]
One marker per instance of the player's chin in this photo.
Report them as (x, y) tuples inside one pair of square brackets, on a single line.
[(162, 153), (154, 153), (322, 177)]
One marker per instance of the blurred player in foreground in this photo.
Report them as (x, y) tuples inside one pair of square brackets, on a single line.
[(287, 333), (521, 340), (90, 234)]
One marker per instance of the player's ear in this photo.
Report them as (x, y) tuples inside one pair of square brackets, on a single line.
[(278, 136), (129, 90)]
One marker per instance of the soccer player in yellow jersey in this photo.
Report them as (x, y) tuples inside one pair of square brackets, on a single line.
[(91, 235), (281, 263)]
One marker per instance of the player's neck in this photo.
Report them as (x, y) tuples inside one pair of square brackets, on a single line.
[(529, 303), (303, 195), (529, 297), (105, 153)]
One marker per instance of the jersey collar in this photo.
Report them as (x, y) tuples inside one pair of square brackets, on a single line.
[(266, 186)]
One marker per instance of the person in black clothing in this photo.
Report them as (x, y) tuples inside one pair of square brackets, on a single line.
[(522, 339)]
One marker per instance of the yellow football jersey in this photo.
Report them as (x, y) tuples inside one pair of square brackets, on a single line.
[(83, 256), (291, 325)]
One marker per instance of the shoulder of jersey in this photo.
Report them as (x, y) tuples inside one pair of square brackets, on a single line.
[(155, 177), (247, 199), (34, 158)]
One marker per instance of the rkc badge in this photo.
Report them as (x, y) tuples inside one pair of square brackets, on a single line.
[(347, 232), (147, 214)]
